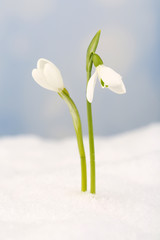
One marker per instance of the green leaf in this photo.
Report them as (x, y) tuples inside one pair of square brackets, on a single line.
[(91, 49)]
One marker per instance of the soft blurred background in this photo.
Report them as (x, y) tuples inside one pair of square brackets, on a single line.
[(61, 31)]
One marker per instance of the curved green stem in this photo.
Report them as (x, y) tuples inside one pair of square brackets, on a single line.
[(78, 129), (91, 145)]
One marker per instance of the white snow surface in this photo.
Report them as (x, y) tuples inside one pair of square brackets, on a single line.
[(40, 197)]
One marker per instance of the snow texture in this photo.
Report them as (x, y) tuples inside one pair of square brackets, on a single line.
[(40, 194)]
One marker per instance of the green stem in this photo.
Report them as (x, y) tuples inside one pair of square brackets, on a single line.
[(78, 129), (91, 144), (89, 62)]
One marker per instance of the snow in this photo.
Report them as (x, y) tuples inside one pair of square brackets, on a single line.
[(40, 194)]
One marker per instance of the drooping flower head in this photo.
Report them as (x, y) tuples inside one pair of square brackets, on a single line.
[(108, 79), (48, 76)]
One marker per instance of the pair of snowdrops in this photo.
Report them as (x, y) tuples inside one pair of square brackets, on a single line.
[(48, 76)]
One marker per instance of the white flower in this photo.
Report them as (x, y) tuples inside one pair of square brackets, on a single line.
[(47, 75), (108, 78)]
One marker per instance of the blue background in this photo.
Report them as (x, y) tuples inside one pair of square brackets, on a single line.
[(61, 31)]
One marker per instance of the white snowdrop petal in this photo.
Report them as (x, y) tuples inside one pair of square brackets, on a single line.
[(108, 75), (41, 63), (40, 78), (119, 89), (111, 78), (53, 77), (91, 86)]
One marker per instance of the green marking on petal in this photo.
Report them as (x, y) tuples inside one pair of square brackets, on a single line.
[(106, 86), (102, 83)]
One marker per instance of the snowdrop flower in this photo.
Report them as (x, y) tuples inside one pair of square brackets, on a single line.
[(107, 77), (48, 76)]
